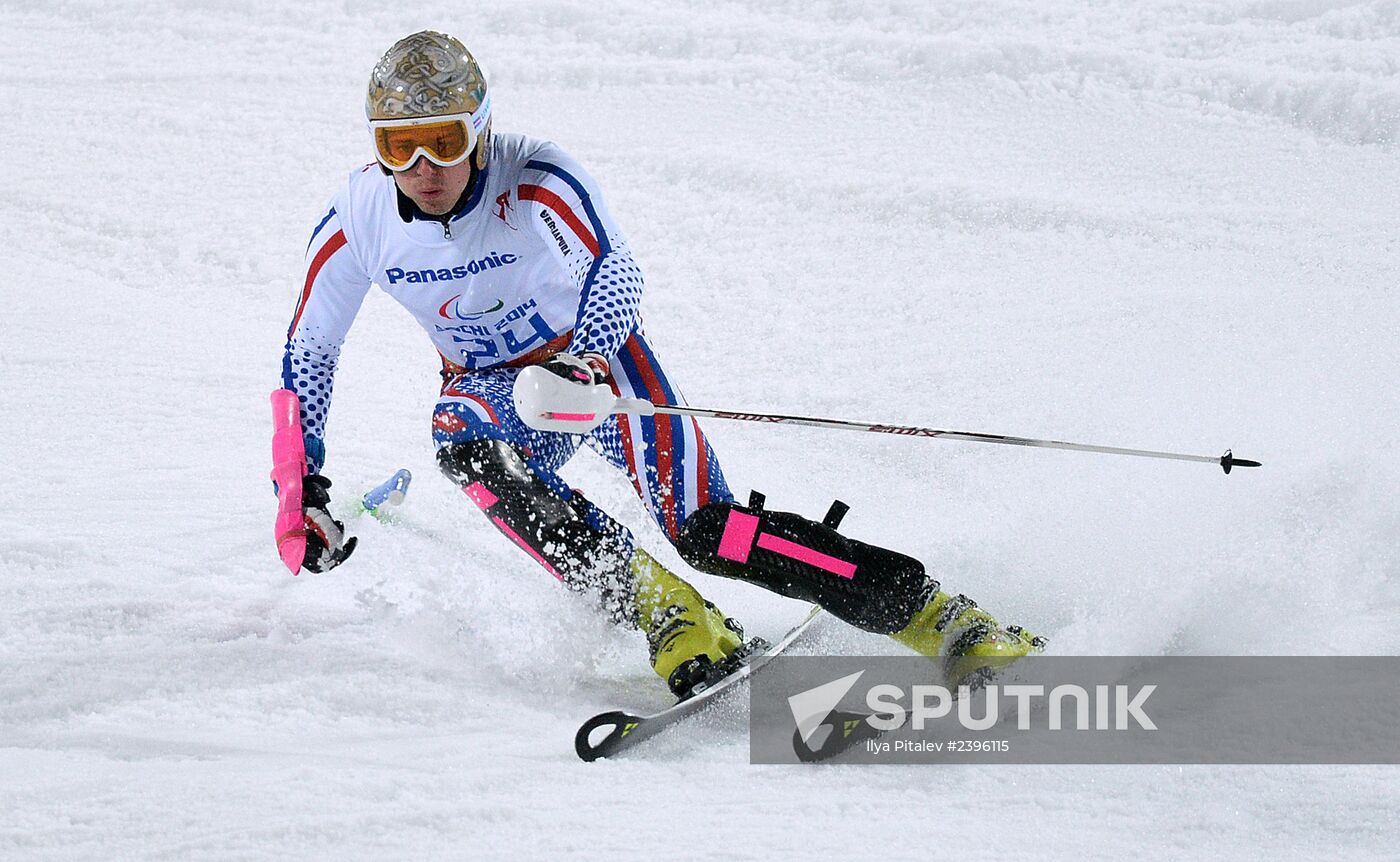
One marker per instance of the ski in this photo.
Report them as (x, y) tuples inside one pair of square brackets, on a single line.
[(844, 730), (627, 729)]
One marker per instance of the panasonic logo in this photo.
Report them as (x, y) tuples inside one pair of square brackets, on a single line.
[(470, 268)]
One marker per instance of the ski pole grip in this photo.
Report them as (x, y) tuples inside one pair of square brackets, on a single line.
[(640, 406), (288, 470)]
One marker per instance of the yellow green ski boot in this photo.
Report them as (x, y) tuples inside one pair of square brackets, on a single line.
[(689, 638), (973, 645)]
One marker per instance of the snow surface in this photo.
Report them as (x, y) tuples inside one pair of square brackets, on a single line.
[(1160, 224)]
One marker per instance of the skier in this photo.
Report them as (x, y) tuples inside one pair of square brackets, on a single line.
[(502, 248)]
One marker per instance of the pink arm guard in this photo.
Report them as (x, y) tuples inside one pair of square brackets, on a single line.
[(288, 469)]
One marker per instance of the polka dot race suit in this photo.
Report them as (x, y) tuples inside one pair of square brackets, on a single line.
[(533, 265)]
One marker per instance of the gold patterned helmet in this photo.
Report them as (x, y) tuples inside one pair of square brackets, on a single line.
[(430, 75)]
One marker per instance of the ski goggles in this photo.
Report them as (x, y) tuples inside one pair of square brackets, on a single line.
[(445, 141)]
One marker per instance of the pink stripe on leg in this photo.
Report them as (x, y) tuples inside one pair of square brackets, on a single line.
[(738, 536), (514, 537), (804, 554), (480, 495), (483, 498)]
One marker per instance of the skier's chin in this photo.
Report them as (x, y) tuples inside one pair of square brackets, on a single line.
[(434, 189), (434, 202)]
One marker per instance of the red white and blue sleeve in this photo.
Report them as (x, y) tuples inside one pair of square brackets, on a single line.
[(332, 291), (566, 208)]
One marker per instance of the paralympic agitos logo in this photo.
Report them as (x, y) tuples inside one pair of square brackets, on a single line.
[(466, 270), (452, 309)]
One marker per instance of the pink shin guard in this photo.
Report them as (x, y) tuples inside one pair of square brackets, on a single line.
[(288, 470), (737, 542), (870, 587)]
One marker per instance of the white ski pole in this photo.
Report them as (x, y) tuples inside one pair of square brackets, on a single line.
[(646, 408)]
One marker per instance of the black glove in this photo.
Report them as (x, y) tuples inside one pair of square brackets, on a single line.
[(327, 546), (586, 369)]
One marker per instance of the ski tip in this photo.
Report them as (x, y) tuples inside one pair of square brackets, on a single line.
[(840, 731), (1228, 462), (618, 725)]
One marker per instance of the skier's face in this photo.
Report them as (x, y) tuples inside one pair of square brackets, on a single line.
[(433, 188)]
